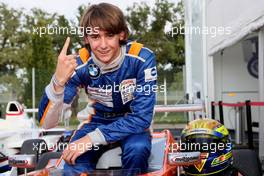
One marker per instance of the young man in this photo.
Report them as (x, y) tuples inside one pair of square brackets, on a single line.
[(120, 80)]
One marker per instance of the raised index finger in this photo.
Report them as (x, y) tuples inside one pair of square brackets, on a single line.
[(65, 46)]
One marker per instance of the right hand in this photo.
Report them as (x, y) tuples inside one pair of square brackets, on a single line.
[(66, 65)]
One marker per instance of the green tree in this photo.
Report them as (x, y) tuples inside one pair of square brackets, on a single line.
[(77, 40), (63, 26), (148, 26), (11, 45), (41, 56)]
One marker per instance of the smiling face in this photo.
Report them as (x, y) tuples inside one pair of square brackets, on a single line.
[(104, 45), (109, 30)]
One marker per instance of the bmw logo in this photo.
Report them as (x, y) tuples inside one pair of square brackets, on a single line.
[(94, 71)]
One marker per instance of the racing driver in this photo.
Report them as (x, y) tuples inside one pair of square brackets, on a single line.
[(120, 80)]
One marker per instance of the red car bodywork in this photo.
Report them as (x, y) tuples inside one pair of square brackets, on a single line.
[(166, 169)]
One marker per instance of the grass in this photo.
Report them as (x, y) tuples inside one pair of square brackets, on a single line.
[(171, 118), (160, 118)]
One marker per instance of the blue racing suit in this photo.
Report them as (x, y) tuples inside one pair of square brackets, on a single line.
[(121, 96)]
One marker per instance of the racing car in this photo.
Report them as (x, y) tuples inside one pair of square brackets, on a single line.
[(165, 160)]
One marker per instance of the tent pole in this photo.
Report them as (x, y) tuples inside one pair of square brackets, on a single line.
[(261, 93)]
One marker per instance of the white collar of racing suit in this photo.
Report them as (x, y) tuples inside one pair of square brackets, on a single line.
[(112, 66)]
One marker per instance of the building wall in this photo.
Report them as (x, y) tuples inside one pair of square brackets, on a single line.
[(232, 81)]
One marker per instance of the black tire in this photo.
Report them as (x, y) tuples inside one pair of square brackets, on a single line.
[(33, 146), (246, 161), (44, 159), (252, 67)]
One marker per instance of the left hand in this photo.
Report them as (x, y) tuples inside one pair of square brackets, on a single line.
[(76, 148)]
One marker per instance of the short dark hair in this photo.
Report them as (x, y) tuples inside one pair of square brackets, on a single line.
[(107, 17)]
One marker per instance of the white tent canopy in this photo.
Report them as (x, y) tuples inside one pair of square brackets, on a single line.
[(241, 16)]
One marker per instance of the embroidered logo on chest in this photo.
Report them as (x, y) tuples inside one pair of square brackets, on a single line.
[(94, 71)]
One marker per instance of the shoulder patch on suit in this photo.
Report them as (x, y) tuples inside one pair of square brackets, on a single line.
[(84, 54), (135, 48)]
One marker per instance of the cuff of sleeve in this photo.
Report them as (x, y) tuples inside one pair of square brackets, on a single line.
[(97, 137), (52, 94)]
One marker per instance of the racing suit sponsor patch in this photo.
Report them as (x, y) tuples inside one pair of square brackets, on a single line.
[(127, 88), (103, 96), (150, 74)]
